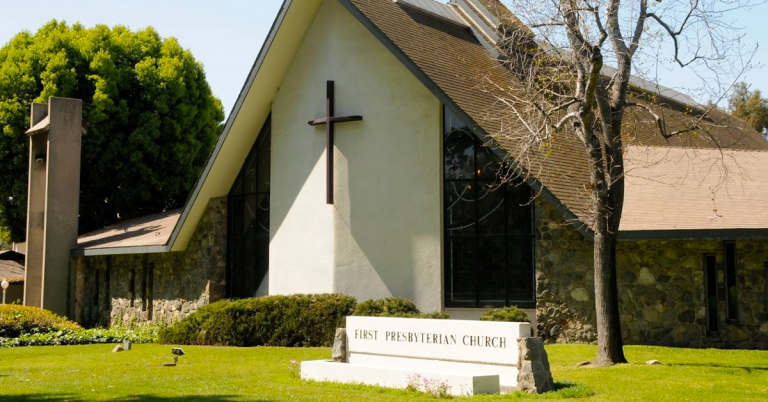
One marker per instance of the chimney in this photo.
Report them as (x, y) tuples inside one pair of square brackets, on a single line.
[(53, 201)]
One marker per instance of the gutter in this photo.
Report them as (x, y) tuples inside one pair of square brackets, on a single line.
[(93, 252), (694, 234)]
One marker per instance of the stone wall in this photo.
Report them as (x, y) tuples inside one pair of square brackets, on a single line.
[(565, 306), (661, 288), (158, 288)]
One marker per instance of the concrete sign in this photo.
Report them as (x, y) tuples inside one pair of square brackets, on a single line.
[(446, 340), (485, 353)]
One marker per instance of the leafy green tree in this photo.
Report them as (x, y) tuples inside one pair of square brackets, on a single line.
[(750, 106), (151, 116)]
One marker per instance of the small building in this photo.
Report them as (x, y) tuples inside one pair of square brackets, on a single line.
[(398, 195), (12, 270)]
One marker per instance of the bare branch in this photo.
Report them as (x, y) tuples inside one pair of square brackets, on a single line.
[(639, 25), (561, 123), (662, 126), (674, 34)]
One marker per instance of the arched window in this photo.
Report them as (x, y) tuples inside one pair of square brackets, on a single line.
[(488, 238), (248, 222)]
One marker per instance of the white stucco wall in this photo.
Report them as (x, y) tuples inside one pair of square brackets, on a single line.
[(383, 235)]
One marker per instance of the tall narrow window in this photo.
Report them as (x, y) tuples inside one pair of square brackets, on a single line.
[(710, 272), (148, 291), (97, 287), (488, 226), (765, 266), (248, 240), (731, 287)]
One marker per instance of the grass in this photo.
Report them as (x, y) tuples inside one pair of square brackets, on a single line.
[(210, 374)]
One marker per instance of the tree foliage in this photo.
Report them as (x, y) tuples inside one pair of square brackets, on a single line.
[(151, 116), (750, 106)]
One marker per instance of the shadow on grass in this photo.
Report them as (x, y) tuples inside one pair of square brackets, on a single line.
[(561, 390), (568, 389), (132, 398), (564, 385)]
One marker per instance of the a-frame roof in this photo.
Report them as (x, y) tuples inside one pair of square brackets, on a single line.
[(452, 63)]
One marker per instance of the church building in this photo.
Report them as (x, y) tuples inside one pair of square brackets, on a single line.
[(362, 157)]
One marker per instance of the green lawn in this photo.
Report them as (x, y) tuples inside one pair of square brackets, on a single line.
[(84, 373)]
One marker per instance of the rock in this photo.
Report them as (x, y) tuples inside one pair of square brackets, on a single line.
[(118, 348), (534, 376), (764, 328), (629, 277), (736, 334), (652, 362), (580, 294), (645, 277), (687, 316), (651, 314), (339, 351)]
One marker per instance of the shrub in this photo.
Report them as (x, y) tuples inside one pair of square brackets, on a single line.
[(17, 320), (145, 334), (439, 315), (507, 314), (296, 320), (394, 307), (389, 307)]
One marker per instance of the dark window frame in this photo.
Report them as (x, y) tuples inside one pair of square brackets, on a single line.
[(710, 291), (241, 242), (509, 239), (731, 281), (765, 289)]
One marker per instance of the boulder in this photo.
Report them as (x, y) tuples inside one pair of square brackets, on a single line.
[(339, 351), (534, 375)]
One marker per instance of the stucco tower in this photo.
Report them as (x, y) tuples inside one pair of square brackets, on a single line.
[(53, 200)]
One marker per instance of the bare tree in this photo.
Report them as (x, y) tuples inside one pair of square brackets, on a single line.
[(575, 78)]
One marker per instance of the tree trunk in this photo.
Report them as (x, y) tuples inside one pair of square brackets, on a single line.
[(609, 341)]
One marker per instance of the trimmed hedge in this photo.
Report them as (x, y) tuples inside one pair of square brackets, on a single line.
[(394, 307), (16, 320), (145, 334), (506, 314), (296, 320)]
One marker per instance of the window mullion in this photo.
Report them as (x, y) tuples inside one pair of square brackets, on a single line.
[(507, 264), (476, 253)]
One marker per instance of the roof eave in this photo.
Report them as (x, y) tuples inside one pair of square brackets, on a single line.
[(693, 234), (93, 252)]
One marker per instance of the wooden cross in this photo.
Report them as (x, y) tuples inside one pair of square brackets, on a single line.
[(329, 120)]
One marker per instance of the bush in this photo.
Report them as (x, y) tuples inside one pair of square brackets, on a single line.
[(17, 320), (507, 314), (394, 307), (439, 315), (145, 334), (389, 307), (296, 320)]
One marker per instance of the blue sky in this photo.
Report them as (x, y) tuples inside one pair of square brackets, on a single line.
[(225, 35)]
